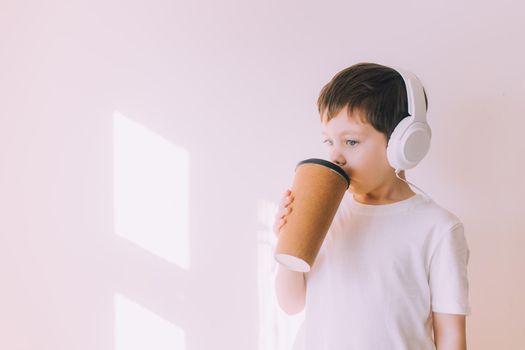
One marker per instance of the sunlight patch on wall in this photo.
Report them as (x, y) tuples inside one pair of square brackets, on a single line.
[(277, 330), (136, 328), (151, 185)]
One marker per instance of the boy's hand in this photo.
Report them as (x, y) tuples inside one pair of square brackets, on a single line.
[(284, 210)]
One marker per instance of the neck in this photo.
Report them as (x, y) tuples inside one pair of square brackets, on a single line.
[(394, 190)]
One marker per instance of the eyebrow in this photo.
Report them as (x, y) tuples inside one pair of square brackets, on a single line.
[(343, 132)]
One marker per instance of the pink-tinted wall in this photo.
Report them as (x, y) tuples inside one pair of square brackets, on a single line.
[(141, 141)]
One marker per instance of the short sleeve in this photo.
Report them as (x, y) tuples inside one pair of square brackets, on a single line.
[(448, 278)]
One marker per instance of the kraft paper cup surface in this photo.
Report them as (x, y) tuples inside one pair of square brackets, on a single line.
[(318, 188)]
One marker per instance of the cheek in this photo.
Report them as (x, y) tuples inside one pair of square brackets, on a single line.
[(359, 159), (372, 164)]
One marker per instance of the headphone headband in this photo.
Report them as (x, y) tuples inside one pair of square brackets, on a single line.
[(415, 95)]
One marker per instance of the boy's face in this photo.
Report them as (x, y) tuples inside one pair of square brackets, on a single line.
[(360, 150)]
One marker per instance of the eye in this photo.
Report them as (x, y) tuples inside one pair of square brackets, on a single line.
[(352, 142), (328, 142)]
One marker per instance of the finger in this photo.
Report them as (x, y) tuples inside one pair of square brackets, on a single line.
[(285, 211), (277, 226)]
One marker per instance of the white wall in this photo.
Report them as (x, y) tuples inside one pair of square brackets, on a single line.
[(104, 104)]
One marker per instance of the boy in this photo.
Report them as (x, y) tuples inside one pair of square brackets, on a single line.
[(392, 270)]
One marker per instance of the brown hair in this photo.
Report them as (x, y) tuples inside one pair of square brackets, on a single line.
[(376, 90)]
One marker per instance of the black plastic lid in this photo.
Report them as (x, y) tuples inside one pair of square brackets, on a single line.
[(328, 164)]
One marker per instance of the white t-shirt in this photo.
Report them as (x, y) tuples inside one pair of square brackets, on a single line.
[(381, 271)]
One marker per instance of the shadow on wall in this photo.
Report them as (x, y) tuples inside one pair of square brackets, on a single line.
[(151, 213), (151, 184)]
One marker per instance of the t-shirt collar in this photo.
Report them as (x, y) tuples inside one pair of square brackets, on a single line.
[(379, 209)]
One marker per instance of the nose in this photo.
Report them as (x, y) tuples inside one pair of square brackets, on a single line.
[(337, 158)]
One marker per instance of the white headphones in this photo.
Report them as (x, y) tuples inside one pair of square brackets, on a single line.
[(410, 140)]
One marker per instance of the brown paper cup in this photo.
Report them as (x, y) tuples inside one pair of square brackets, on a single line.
[(318, 188)]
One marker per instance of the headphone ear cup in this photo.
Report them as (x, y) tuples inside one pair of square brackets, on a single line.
[(408, 144)]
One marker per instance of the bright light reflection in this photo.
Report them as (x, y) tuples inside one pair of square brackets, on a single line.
[(277, 330), (151, 181), (136, 328)]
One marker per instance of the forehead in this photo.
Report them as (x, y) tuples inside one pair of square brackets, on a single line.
[(345, 124)]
